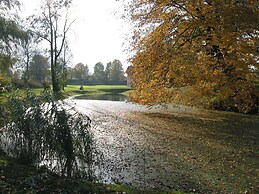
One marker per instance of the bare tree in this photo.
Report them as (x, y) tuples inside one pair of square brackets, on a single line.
[(52, 25), (28, 50)]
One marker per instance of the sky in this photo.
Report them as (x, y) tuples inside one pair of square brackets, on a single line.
[(98, 35)]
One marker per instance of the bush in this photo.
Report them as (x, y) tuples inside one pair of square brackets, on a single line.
[(19, 83), (48, 134)]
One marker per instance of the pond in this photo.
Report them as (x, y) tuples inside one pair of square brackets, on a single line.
[(129, 154), (109, 97), (176, 148)]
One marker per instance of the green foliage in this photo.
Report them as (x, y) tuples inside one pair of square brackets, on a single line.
[(116, 72), (111, 74), (99, 74), (4, 81), (10, 32), (79, 72), (38, 68), (47, 133), (108, 71), (6, 61)]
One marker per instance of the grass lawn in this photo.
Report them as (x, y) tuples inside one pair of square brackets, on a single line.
[(72, 90)]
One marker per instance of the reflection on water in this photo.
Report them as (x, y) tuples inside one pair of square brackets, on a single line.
[(110, 97)]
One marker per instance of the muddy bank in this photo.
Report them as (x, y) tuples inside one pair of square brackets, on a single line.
[(180, 148)]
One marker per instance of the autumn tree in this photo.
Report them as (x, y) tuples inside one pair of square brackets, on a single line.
[(52, 25), (200, 50)]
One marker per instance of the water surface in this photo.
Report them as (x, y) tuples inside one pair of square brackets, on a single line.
[(178, 148), (109, 97)]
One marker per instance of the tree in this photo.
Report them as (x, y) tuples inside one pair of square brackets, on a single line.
[(11, 34), (39, 68), (52, 25), (81, 71), (27, 51), (9, 3), (99, 74), (116, 72), (6, 61), (205, 48), (108, 71), (64, 62)]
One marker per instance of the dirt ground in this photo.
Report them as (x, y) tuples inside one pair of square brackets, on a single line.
[(179, 148)]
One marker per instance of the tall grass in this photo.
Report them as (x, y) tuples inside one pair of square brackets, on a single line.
[(37, 133)]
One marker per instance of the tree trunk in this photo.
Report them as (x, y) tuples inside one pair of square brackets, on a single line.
[(55, 84)]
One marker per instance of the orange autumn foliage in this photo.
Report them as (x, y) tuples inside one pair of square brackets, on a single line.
[(202, 51)]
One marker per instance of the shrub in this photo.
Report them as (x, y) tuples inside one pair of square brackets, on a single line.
[(49, 134)]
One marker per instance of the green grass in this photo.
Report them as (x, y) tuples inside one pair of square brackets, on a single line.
[(72, 90)]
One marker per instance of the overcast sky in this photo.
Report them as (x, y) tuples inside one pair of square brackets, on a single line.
[(98, 34)]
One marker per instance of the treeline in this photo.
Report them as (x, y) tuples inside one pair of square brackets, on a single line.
[(112, 73), (38, 74), (26, 63), (34, 75)]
